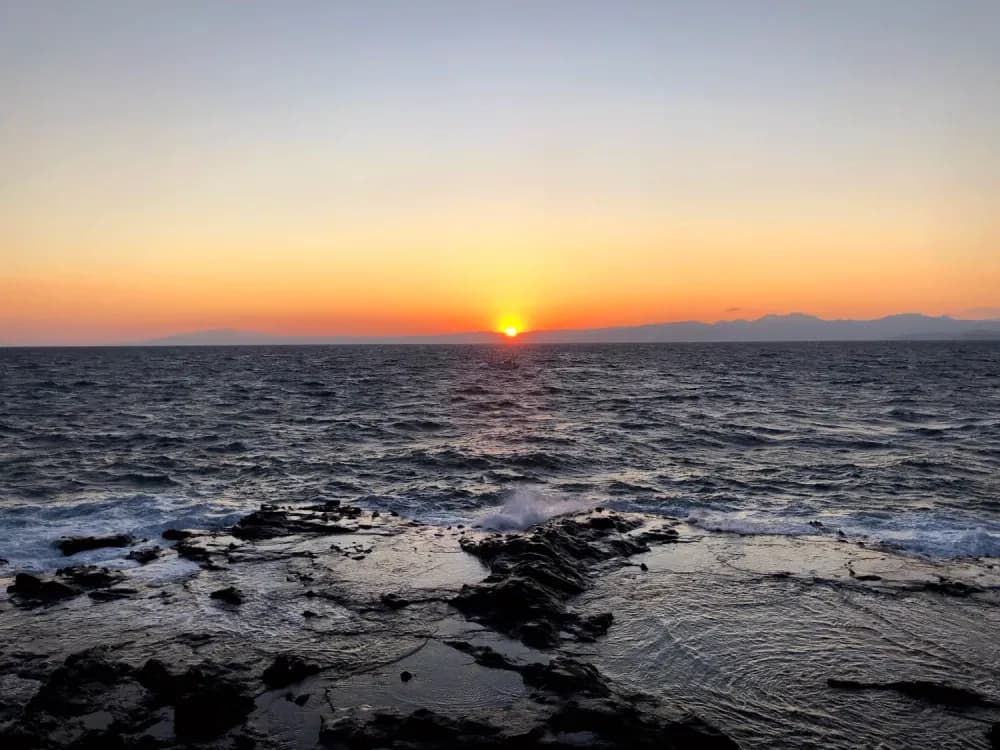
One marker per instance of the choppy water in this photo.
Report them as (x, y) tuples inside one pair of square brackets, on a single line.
[(900, 441)]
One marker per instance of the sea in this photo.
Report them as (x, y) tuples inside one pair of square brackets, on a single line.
[(895, 442)]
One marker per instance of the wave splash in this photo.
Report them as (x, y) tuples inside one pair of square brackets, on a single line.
[(527, 507)]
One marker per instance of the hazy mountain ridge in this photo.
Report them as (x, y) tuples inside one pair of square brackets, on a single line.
[(792, 327)]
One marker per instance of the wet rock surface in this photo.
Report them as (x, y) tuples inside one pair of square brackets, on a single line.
[(71, 545), (356, 630), (533, 577), (287, 669), (924, 690)]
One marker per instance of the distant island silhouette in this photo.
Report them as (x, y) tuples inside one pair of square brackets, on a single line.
[(791, 327)]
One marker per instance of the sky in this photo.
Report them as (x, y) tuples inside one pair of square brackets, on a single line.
[(430, 167)]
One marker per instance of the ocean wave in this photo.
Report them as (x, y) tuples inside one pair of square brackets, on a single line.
[(927, 534), (28, 532), (525, 508)]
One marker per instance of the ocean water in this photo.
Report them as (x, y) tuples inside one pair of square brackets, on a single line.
[(898, 442)]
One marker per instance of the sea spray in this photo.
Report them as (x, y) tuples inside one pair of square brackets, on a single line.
[(529, 507)]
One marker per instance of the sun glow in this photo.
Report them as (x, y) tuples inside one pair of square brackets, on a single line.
[(510, 331)]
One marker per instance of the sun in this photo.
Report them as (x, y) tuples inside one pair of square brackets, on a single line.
[(510, 331)]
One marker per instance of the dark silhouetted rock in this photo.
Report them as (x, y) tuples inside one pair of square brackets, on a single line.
[(90, 576), (229, 595), (71, 545), (31, 587), (532, 577), (951, 588), (395, 601), (405, 676), (565, 677), (176, 535), (207, 705), (270, 522), (144, 555), (78, 686), (206, 702), (925, 690), (287, 669)]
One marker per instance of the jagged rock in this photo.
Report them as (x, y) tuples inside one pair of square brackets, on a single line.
[(564, 676), (206, 702), (484, 655), (78, 685), (110, 595), (176, 535), (925, 690), (71, 545), (229, 595), (607, 725), (951, 588), (189, 548), (617, 723), (395, 601), (270, 522), (287, 669), (662, 535), (89, 576), (144, 555), (533, 576), (31, 587)]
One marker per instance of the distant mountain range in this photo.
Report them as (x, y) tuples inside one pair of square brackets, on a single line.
[(793, 327)]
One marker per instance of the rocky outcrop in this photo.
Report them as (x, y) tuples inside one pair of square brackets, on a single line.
[(924, 690), (270, 521), (533, 576), (71, 545), (69, 582), (205, 701), (229, 595), (27, 586), (287, 669)]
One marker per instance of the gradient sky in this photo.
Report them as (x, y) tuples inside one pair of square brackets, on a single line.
[(395, 167)]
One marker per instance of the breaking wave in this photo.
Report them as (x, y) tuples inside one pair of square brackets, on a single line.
[(528, 507)]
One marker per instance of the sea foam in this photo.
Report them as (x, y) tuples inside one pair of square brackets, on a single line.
[(525, 508)]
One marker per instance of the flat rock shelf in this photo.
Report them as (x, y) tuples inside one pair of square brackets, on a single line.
[(330, 626)]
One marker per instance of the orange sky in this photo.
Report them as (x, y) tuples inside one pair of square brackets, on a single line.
[(303, 173)]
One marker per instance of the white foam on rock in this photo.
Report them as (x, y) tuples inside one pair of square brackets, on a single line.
[(529, 507), (28, 533)]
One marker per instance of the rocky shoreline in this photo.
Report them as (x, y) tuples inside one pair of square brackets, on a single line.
[(332, 626)]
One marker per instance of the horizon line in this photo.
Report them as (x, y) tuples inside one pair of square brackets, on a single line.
[(339, 339)]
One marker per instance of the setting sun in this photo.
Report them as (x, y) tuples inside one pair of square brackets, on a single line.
[(510, 331)]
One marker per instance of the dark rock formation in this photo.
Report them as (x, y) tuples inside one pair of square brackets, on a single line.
[(925, 690), (270, 522), (287, 669), (206, 702), (70, 545), (89, 576), (394, 601), (74, 580), (607, 725), (176, 535), (229, 595), (533, 576), (583, 700), (144, 555), (28, 586)]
